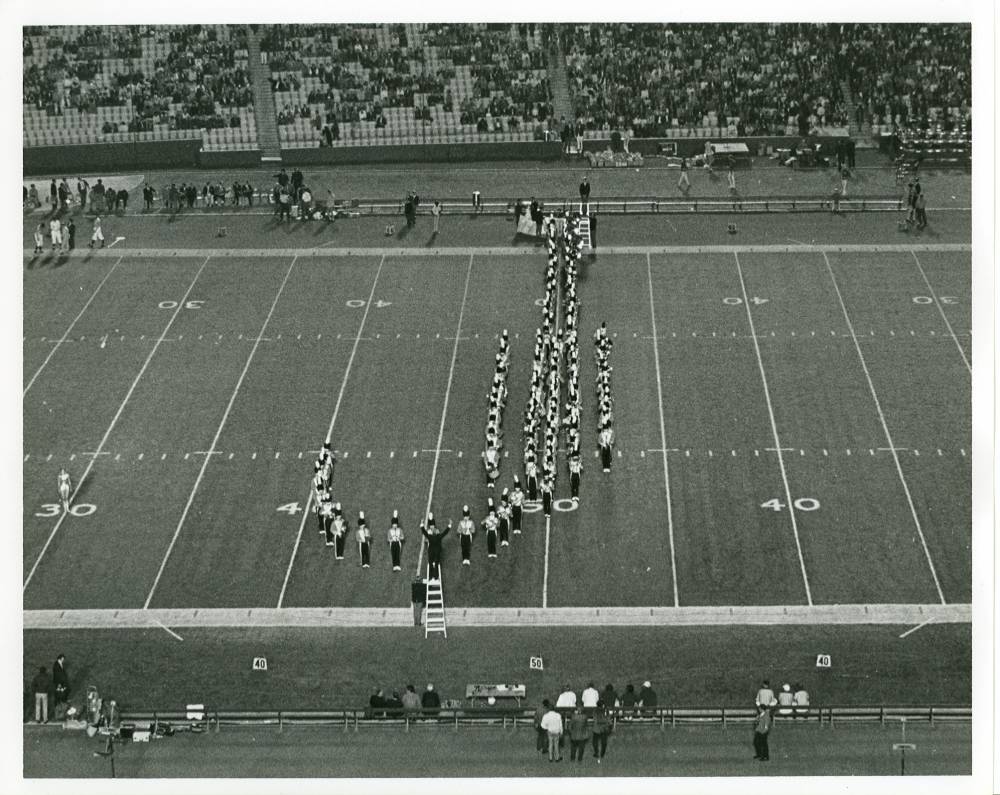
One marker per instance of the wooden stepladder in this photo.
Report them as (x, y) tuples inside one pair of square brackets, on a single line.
[(584, 227), (434, 615)]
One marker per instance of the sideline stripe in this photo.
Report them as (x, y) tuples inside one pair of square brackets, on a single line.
[(522, 251), (741, 615), (940, 308), (774, 430), (444, 412), (329, 429), (114, 421), (918, 626), (663, 433), (215, 439), (64, 336), (885, 428)]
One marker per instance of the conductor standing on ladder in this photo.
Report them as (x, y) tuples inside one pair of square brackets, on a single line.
[(434, 537), (585, 197)]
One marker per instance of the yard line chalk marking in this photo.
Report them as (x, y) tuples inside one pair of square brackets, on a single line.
[(885, 428), (168, 630), (918, 626), (215, 439), (940, 308), (114, 421), (774, 430), (329, 429), (62, 339), (444, 410), (663, 433)]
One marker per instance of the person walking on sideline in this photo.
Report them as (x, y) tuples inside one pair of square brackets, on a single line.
[(40, 686), (684, 184), (98, 234), (920, 208), (552, 723), (579, 733), (418, 595), (60, 679), (761, 728), (601, 731), (39, 238), (541, 736), (436, 215)]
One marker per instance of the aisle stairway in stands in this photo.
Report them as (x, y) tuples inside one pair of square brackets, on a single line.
[(263, 101), (562, 105), (860, 133)]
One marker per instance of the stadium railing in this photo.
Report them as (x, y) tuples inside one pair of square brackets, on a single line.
[(514, 718)]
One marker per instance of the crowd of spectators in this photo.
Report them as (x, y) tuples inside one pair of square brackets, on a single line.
[(763, 78), (908, 75), (202, 74)]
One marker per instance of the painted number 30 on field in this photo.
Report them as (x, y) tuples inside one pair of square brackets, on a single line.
[(801, 504), (51, 509)]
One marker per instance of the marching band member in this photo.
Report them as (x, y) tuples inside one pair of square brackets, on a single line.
[(364, 541), (575, 468), (516, 509), (341, 527), (64, 485), (490, 525), (326, 520), (503, 514), (396, 542), (466, 530)]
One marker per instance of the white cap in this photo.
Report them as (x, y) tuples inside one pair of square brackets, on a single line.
[(646, 684), (786, 687)]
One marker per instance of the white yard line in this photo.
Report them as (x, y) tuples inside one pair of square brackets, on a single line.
[(545, 570), (444, 411), (114, 421), (937, 301), (215, 439), (918, 626), (71, 325), (663, 433), (900, 615), (167, 629), (774, 430), (885, 428), (329, 429)]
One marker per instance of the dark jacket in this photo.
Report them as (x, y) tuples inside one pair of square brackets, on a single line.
[(59, 676), (418, 592), (762, 723), (430, 700), (42, 683), (602, 723), (648, 697), (579, 727)]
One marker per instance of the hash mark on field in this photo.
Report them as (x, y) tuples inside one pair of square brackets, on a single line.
[(140, 457), (916, 452), (254, 456), (415, 453), (276, 455), (825, 452), (163, 457), (300, 454), (392, 454), (118, 457), (73, 457), (368, 454), (48, 457), (939, 451), (848, 451), (231, 456), (962, 452), (187, 456)]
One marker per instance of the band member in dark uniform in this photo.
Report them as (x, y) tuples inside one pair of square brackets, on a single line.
[(466, 530), (547, 495), (364, 541), (396, 542), (531, 478), (516, 509), (340, 530), (503, 514), (434, 538), (326, 517), (491, 525), (575, 468)]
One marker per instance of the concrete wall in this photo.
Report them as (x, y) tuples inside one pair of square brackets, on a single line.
[(107, 158), (422, 153)]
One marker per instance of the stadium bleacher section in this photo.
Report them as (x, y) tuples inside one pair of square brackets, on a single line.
[(346, 85), (89, 84)]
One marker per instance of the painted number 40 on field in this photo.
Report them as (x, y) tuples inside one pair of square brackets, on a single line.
[(802, 504)]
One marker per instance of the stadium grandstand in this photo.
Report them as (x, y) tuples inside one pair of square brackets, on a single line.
[(307, 464)]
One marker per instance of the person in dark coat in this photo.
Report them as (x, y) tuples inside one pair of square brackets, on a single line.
[(430, 701), (761, 728), (434, 538), (60, 679), (647, 698), (584, 196), (418, 596), (593, 232)]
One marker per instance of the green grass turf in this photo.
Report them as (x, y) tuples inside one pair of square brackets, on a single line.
[(339, 668), (234, 546), (795, 750)]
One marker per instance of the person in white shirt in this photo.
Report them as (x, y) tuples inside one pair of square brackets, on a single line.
[(552, 724), (801, 700), (589, 697), (765, 696), (785, 700), (567, 699)]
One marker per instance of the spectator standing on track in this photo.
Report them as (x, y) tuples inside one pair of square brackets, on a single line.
[(97, 196), (436, 215), (39, 238), (82, 186), (40, 686), (731, 173), (920, 208), (601, 730), (761, 729), (585, 196), (54, 196), (418, 596), (552, 723), (541, 736), (71, 232), (593, 233), (765, 695), (55, 233), (579, 733), (364, 541), (64, 237), (60, 679), (684, 184), (395, 542)]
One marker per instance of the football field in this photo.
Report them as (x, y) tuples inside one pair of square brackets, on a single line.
[(793, 427)]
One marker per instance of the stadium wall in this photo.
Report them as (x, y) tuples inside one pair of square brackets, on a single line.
[(109, 158), (689, 147), (423, 153)]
